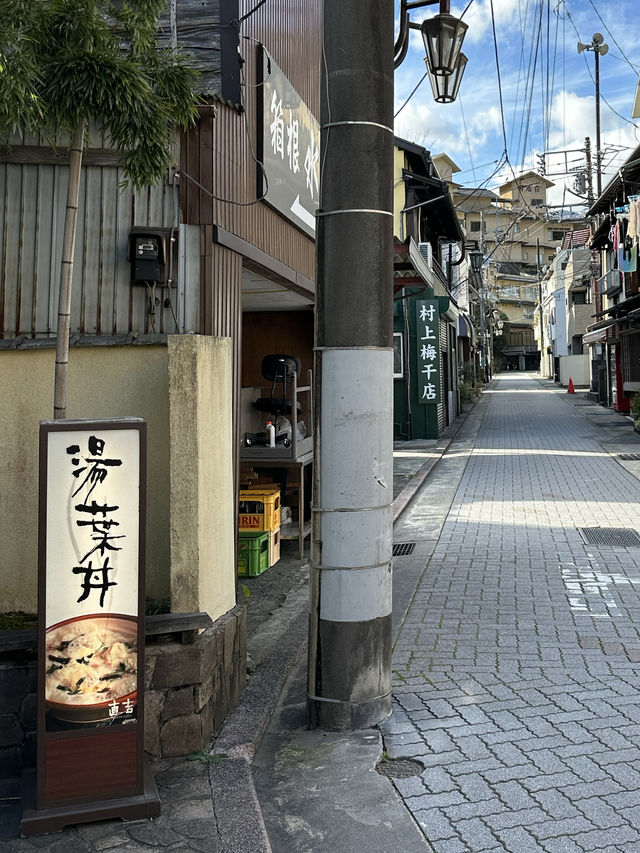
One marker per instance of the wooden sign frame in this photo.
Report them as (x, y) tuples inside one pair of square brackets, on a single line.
[(90, 762)]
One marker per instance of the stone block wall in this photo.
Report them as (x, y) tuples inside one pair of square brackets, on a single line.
[(190, 690)]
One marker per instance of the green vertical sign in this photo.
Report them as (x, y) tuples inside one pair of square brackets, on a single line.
[(428, 351)]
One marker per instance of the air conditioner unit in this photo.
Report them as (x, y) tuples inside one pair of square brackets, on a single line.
[(427, 253)]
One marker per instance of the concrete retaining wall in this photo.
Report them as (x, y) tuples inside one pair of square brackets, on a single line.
[(574, 367)]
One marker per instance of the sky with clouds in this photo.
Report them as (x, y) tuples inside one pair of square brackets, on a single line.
[(548, 90)]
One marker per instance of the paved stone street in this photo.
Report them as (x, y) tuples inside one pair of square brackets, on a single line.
[(516, 668)]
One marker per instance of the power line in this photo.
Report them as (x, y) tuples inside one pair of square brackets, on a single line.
[(470, 3), (250, 12), (417, 86), (612, 37), (466, 135), (632, 123), (495, 45)]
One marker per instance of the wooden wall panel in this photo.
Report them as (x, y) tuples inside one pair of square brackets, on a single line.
[(289, 332)]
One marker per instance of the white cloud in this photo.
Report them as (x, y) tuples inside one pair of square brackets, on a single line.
[(571, 111), (478, 17)]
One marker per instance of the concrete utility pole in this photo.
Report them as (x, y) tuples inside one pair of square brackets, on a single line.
[(540, 306), (599, 49), (587, 152), (349, 674), (596, 52), (483, 332)]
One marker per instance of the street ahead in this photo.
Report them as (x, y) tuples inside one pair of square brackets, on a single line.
[(516, 668)]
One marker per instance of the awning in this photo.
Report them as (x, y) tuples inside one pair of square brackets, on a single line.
[(410, 269), (597, 335), (466, 329)]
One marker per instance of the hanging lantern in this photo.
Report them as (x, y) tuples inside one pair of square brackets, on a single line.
[(443, 36), (445, 88)]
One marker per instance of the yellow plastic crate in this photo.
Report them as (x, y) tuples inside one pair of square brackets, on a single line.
[(274, 546), (259, 509)]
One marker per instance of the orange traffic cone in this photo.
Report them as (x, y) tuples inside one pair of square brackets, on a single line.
[(571, 389)]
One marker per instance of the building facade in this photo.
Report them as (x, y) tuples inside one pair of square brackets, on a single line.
[(235, 282), (518, 237), (614, 335), (426, 316)]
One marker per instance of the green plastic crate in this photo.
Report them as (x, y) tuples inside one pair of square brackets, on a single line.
[(253, 554)]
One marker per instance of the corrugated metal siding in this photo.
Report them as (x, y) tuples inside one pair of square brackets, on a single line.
[(33, 198), (222, 313), (220, 154)]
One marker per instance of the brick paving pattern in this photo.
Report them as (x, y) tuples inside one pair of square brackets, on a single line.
[(516, 669)]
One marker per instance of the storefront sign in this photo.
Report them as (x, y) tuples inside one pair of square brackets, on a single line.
[(428, 351), (290, 148), (91, 611)]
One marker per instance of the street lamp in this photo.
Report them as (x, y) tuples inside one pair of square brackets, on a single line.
[(476, 262), (476, 259), (599, 49), (442, 36)]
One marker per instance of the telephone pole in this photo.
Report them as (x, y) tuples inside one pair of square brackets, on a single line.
[(587, 151), (349, 669), (540, 306)]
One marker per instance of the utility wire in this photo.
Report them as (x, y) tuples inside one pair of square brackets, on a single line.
[(602, 98), (250, 12), (535, 50), (466, 135), (495, 45), (481, 166), (516, 100), (553, 81), (470, 3), (612, 37), (477, 189), (417, 86)]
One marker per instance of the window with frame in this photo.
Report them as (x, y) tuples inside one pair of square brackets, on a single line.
[(398, 355), (510, 291)]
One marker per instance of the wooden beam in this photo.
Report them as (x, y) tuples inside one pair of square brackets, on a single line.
[(46, 156)]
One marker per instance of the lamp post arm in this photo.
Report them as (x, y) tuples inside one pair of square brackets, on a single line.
[(402, 42)]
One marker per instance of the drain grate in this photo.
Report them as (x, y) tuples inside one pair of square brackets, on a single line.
[(403, 549), (616, 537), (628, 456), (399, 768)]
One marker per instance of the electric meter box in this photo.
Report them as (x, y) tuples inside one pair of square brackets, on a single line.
[(147, 254)]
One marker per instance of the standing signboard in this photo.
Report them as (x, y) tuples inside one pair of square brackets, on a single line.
[(427, 352), (91, 625)]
